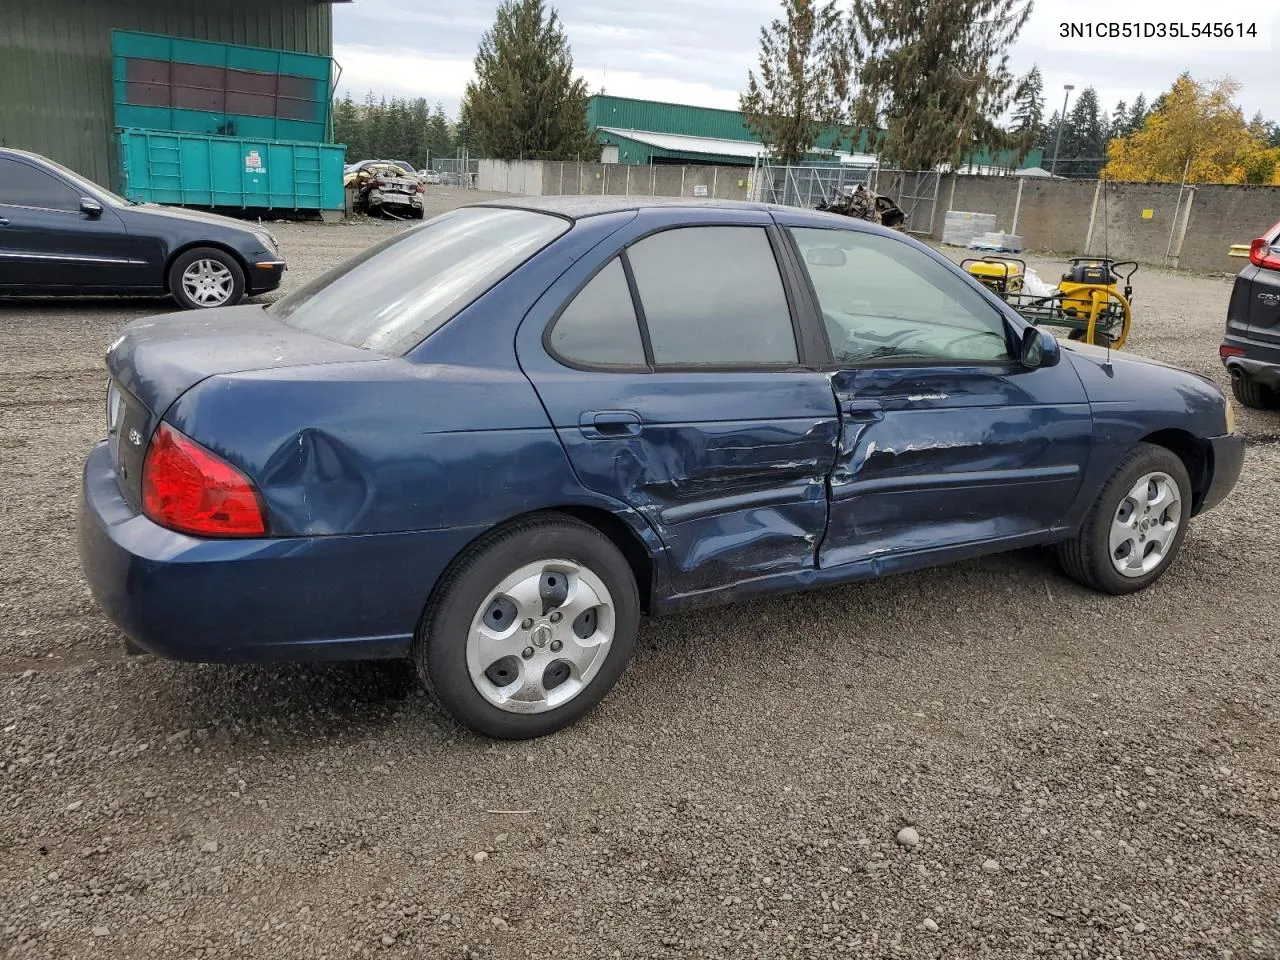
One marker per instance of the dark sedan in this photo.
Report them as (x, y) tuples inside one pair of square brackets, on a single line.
[(63, 235), (490, 443)]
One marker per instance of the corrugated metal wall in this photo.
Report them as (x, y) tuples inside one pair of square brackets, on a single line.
[(55, 62), (657, 117)]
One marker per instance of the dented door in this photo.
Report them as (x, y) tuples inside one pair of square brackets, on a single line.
[(937, 457), (729, 466), (946, 439)]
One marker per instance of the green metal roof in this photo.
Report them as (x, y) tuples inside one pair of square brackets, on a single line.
[(625, 114)]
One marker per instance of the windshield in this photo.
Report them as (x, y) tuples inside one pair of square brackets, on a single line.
[(396, 293), (88, 186)]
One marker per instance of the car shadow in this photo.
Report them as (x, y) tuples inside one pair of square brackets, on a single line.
[(297, 704)]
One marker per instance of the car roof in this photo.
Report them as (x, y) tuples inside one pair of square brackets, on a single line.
[(577, 207), (15, 152)]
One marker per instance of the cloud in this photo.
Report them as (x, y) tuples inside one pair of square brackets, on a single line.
[(699, 51)]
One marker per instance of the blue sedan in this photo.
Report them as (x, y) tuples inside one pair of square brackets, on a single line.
[(493, 442)]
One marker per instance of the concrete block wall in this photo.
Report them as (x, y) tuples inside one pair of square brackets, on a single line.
[(1069, 217), (1055, 215), (553, 178)]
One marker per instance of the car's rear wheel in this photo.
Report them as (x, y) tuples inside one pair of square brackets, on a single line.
[(530, 628), (1253, 394), (1135, 529), (206, 277)]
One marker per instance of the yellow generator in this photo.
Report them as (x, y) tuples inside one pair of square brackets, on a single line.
[(1089, 301), (1004, 277)]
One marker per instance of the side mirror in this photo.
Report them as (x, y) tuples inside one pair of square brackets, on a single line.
[(90, 208), (1039, 349)]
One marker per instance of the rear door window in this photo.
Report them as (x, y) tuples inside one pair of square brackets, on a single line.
[(713, 296), (599, 327)]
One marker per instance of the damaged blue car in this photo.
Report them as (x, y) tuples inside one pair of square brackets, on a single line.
[(493, 442)]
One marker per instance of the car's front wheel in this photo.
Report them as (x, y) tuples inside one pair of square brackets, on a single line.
[(206, 277), (1136, 526), (530, 628)]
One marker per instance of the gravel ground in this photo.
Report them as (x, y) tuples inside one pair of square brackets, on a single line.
[(1085, 777)]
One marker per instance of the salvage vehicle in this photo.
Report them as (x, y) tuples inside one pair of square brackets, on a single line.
[(63, 235), (351, 169), (385, 188), (1251, 349), (493, 441)]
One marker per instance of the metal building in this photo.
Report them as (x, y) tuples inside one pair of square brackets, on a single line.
[(652, 132), (649, 131), (56, 64)]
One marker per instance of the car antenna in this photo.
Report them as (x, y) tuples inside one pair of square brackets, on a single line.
[(1106, 257)]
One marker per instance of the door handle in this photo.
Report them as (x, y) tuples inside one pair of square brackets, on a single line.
[(610, 424), (861, 411)]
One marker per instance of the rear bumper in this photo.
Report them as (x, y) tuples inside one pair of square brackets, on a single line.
[(1228, 461), (254, 601), (1260, 361)]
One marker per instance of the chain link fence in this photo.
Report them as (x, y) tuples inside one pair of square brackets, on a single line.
[(808, 185), (456, 171)]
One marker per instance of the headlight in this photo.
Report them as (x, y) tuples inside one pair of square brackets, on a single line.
[(1231, 414)]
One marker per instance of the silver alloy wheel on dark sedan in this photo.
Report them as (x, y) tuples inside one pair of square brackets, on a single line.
[(208, 283), (530, 627), (1136, 526), (204, 278)]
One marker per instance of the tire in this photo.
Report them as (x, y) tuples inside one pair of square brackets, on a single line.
[(1090, 556), (554, 567), (1253, 394), (216, 279), (1100, 339)]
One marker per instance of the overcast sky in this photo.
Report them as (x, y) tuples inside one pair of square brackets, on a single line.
[(699, 51)]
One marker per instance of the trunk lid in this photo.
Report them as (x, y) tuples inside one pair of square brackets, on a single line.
[(155, 361), (158, 359)]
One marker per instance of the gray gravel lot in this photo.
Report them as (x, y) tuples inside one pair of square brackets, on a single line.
[(1088, 777)]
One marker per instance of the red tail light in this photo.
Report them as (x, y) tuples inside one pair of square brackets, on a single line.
[(1262, 254), (1225, 351), (189, 489)]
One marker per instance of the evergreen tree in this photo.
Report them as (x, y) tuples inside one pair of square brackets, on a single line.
[(1028, 112), (1028, 104), (438, 139), (803, 82), (463, 138), (1137, 115), (1119, 126), (525, 102), (933, 77), (1083, 139), (348, 127)]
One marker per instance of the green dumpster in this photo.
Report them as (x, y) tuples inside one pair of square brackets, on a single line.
[(221, 125), (187, 169)]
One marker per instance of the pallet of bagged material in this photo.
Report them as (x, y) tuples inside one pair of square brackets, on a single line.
[(960, 226)]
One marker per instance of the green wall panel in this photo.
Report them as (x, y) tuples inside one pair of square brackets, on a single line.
[(56, 69)]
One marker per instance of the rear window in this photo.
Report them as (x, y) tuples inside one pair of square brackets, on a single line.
[(396, 293)]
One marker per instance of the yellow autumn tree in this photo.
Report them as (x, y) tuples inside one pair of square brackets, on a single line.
[(1196, 131)]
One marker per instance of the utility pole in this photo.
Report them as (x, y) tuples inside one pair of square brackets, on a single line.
[(1062, 122)]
